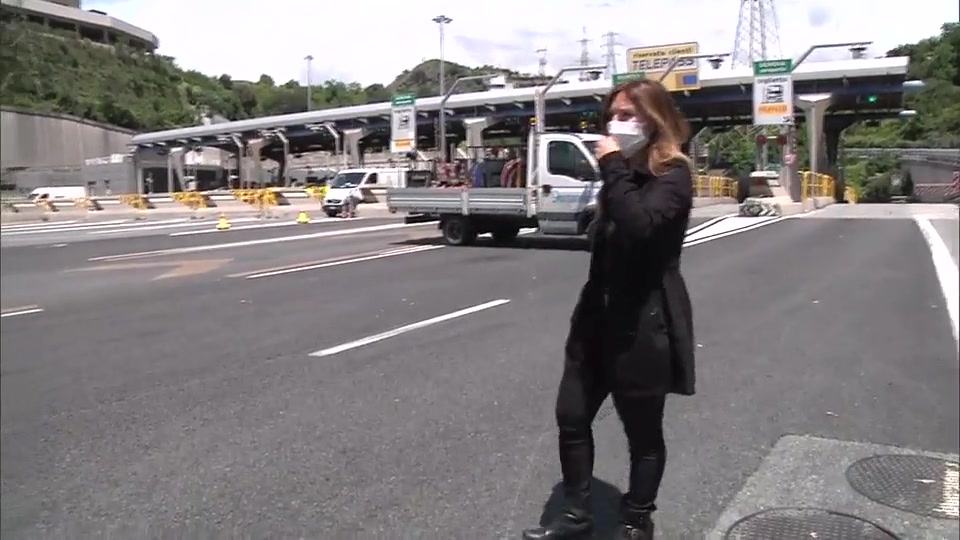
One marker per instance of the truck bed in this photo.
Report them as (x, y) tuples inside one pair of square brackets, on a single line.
[(437, 201)]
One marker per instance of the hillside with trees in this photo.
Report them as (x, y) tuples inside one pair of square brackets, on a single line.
[(56, 72)]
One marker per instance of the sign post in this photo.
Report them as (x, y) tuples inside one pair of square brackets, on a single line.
[(655, 61), (772, 92), (403, 123)]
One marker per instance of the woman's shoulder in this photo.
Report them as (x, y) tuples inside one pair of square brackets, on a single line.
[(676, 168)]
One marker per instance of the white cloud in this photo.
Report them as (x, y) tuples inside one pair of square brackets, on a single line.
[(373, 41)]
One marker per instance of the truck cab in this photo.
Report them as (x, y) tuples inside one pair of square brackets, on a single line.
[(564, 182)]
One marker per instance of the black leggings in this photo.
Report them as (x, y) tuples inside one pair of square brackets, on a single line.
[(583, 389)]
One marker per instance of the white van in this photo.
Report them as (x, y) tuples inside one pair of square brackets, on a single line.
[(58, 193), (359, 183)]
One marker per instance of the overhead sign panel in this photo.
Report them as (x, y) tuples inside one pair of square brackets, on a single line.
[(772, 92), (629, 76), (403, 123), (654, 61)]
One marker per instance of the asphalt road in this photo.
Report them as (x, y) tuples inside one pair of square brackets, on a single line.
[(181, 397)]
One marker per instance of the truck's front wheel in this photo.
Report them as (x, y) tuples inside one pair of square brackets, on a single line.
[(459, 231)]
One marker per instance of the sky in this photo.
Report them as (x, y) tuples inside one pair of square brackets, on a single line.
[(373, 41)]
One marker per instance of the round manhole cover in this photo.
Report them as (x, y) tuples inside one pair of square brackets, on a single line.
[(919, 484), (804, 524)]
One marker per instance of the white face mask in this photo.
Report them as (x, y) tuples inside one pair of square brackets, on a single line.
[(631, 136)]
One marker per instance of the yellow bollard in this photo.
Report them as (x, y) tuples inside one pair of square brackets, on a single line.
[(223, 223), (303, 218)]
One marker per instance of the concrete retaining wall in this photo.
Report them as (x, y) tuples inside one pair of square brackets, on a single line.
[(50, 140)]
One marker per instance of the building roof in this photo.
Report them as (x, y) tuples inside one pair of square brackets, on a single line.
[(850, 69), (69, 14)]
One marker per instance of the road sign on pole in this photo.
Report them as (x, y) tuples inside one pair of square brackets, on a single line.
[(655, 60), (403, 124), (629, 76), (772, 92)]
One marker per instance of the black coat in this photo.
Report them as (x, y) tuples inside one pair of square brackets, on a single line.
[(634, 315)]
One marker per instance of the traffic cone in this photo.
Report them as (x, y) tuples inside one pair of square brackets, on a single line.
[(223, 223), (303, 218)]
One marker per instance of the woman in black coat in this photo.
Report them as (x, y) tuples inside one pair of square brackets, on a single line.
[(631, 333)]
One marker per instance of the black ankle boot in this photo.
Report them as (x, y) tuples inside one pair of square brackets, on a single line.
[(569, 525), (635, 526)]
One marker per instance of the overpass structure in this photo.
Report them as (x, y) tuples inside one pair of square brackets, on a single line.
[(843, 92)]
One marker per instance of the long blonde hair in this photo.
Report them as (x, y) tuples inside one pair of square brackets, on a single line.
[(669, 130)]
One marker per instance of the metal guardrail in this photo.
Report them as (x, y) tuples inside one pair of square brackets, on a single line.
[(190, 199), (816, 185), (714, 186), (704, 186)]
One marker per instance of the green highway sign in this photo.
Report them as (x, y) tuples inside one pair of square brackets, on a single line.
[(629, 76), (407, 98), (772, 67)]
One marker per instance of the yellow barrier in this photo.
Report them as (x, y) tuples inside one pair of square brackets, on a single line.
[(260, 198), (86, 203), (851, 194), (193, 200), (135, 200), (45, 204), (317, 192), (714, 186), (816, 185)]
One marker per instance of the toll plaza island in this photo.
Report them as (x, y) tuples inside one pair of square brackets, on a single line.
[(825, 97)]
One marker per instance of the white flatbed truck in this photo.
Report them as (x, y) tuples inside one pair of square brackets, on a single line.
[(558, 198)]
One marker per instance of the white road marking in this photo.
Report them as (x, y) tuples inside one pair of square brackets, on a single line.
[(383, 255), (708, 223), (258, 242), (730, 224), (27, 310), (14, 226), (176, 224), (706, 236), (262, 226), (42, 229), (408, 328), (946, 271)]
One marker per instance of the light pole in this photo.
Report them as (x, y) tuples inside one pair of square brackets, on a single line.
[(442, 21), (814, 128), (714, 58), (540, 106), (309, 59), (443, 110), (862, 45)]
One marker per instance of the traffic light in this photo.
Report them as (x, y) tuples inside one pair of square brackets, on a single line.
[(872, 98)]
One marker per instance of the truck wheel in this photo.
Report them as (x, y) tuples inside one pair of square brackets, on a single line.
[(332, 213), (505, 234), (458, 231)]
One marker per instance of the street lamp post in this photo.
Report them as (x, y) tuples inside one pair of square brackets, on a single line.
[(676, 60), (309, 59), (442, 21), (443, 110), (814, 128), (539, 112), (861, 45)]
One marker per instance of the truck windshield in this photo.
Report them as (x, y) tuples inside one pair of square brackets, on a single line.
[(347, 180), (591, 146)]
